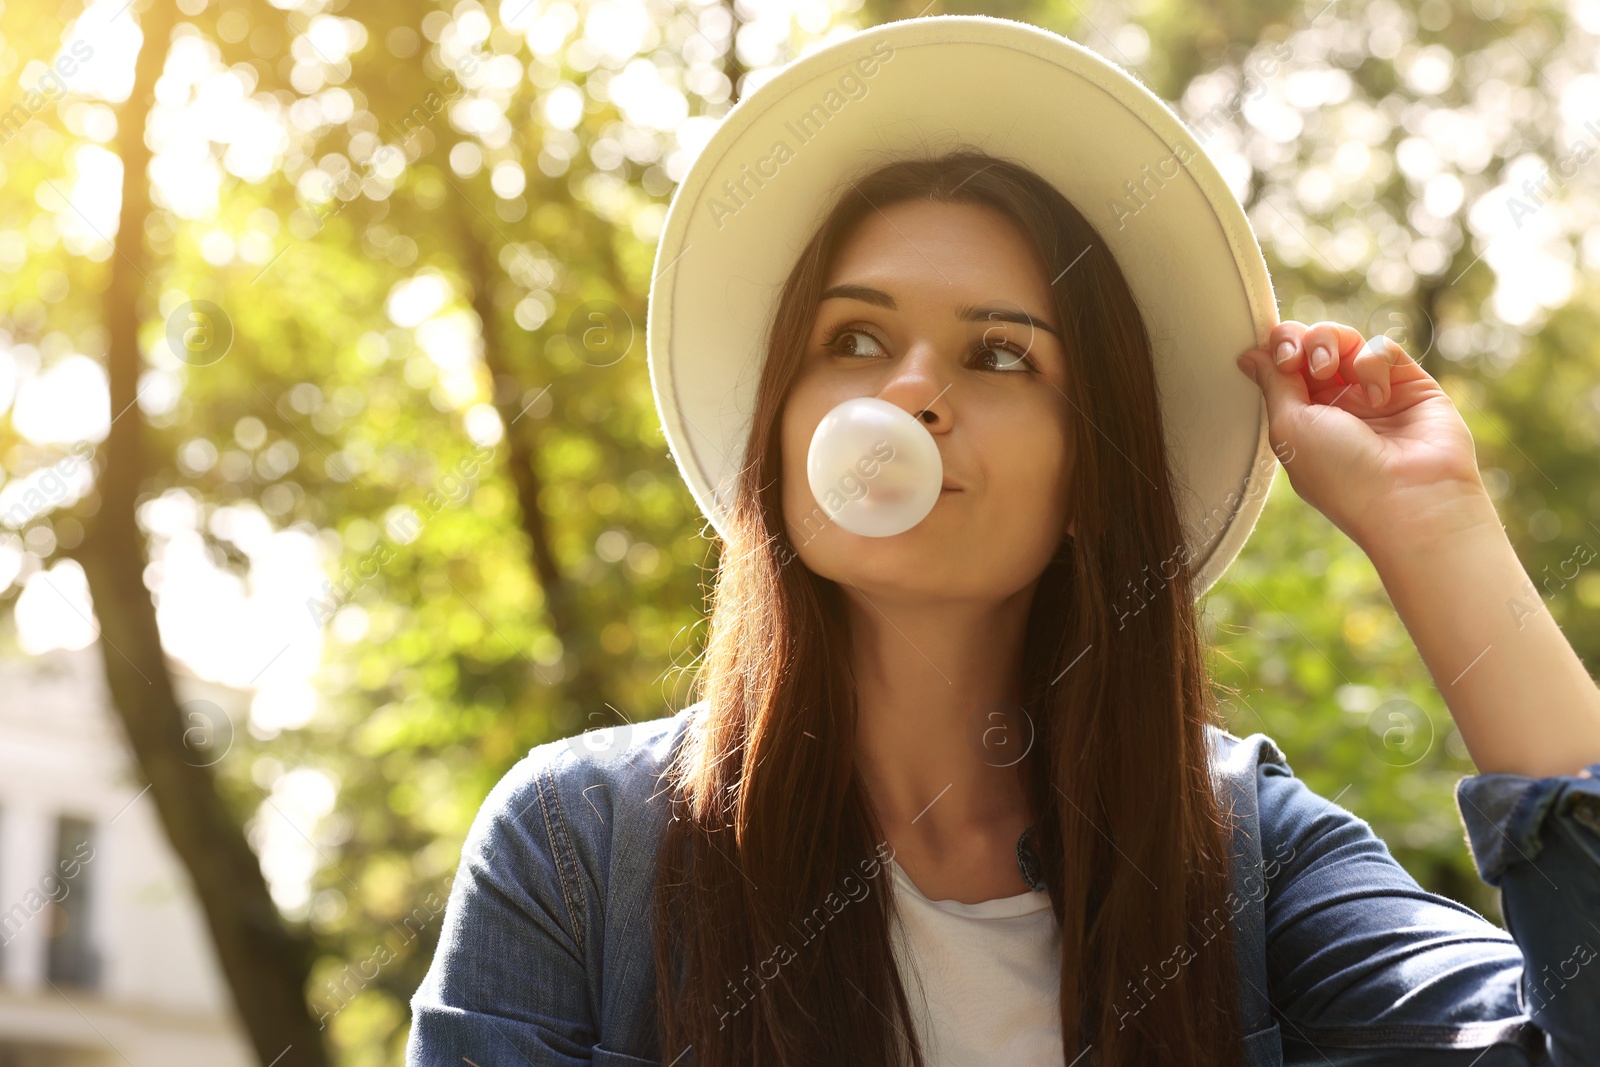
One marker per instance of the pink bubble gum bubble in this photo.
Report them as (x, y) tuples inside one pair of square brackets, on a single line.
[(874, 468)]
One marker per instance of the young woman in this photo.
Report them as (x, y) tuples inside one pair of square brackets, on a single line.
[(945, 799)]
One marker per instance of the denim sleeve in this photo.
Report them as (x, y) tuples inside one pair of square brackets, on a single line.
[(1365, 967), (1538, 841), (507, 983)]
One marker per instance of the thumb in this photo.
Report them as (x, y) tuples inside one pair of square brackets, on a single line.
[(1283, 390), (1247, 365)]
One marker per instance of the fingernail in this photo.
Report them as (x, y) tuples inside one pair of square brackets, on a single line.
[(1319, 357), (1285, 350), (1375, 395)]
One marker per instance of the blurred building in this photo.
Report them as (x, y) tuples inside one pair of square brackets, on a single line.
[(104, 955)]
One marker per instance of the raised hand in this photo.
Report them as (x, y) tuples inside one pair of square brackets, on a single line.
[(1374, 442)]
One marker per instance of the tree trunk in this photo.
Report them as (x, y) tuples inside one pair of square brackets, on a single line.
[(732, 68), (266, 965), (582, 687)]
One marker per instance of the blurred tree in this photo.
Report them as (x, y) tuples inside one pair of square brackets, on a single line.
[(431, 235), (266, 964)]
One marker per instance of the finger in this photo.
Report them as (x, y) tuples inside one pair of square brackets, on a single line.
[(1328, 345), (1283, 343), (1370, 368), (1401, 366)]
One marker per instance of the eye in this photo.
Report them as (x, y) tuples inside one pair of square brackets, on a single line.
[(836, 341), (1006, 358)]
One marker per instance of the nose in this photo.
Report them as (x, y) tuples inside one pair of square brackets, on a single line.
[(916, 387)]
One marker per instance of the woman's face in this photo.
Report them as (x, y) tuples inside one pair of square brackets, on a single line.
[(928, 306)]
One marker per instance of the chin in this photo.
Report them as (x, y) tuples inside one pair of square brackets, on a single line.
[(924, 556)]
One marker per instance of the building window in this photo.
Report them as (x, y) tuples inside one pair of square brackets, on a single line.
[(72, 957)]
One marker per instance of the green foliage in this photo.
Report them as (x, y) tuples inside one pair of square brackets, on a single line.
[(443, 660)]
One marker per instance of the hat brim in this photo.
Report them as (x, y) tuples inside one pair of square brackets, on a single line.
[(762, 183)]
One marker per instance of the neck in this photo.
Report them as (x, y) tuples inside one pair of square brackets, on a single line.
[(941, 738)]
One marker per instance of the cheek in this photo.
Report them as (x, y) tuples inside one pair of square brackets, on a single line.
[(1029, 476), (794, 442), (801, 414)]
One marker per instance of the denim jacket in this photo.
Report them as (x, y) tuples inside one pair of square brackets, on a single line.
[(545, 956)]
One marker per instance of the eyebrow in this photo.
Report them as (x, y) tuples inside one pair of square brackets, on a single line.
[(969, 312)]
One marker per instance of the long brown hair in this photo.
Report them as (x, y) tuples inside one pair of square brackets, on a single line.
[(756, 961)]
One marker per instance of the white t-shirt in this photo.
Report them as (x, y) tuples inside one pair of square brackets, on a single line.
[(983, 979)]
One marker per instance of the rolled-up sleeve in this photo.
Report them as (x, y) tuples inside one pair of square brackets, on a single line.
[(1538, 841), (1366, 967)]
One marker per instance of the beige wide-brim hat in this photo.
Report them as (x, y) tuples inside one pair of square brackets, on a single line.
[(747, 207)]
